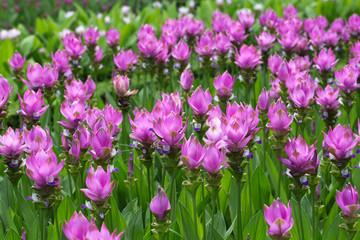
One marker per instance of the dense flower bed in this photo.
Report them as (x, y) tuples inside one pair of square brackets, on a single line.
[(242, 127)]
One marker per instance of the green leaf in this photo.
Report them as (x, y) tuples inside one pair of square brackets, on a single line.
[(12, 235), (188, 226), (26, 44), (65, 210), (6, 218), (304, 220), (260, 189), (334, 232), (256, 228), (115, 220), (135, 229)]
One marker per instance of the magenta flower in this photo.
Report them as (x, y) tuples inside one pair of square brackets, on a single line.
[(145, 30), (121, 86), (278, 216), (193, 26), (347, 79), (348, 200), (274, 63), (112, 37), (73, 46), (50, 76), (301, 158), (317, 36), (91, 36), (269, 18), (186, 79), (248, 57), (149, 46), (12, 144), (325, 61), (206, 45), (101, 143), (74, 112), (214, 134), (236, 33), (82, 134), (223, 84), (265, 41), (264, 100), (74, 151), (222, 44), (192, 152), (213, 159), (60, 60), (141, 128), (288, 40), (98, 54), (37, 138), (200, 101), (77, 227), (5, 92), (42, 167), (327, 98), (125, 60), (246, 18), (35, 76), (170, 103), (94, 234), (170, 129), (17, 62), (32, 105), (160, 205), (99, 185), (181, 52), (340, 143), (279, 119), (79, 90), (354, 24), (303, 94)]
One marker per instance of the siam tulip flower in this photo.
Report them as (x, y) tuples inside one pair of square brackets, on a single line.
[(192, 153), (248, 57), (246, 18), (32, 105), (12, 144), (101, 143), (160, 205), (74, 112), (79, 90), (214, 134), (348, 200), (340, 144), (168, 38), (112, 37), (98, 184), (223, 84), (113, 116), (327, 98), (17, 62), (98, 54), (288, 40), (60, 60), (42, 167), (125, 60), (213, 159), (73, 46), (302, 45), (269, 19), (194, 27), (245, 114), (279, 119), (141, 128), (50, 76), (274, 63), (37, 138), (149, 46), (347, 79), (302, 63), (181, 52), (278, 216), (91, 36), (354, 24), (145, 30), (325, 61), (321, 22), (331, 38), (170, 103), (355, 50), (264, 100), (82, 134), (301, 158), (205, 47), (317, 36), (236, 33), (77, 227), (74, 151), (265, 40), (35, 76), (121, 86), (222, 44), (290, 11), (170, 130), (5, 92), (219, 21), (94, 234), (337, 25), (303, 94), (186, 79), (200, 101)]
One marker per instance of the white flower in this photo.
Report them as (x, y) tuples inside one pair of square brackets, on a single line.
[(219, 2), (125, 10), (157, 4), (99, 15), (80, 29), (107, 20), (64, 32), (258, 7), (13, 33), (192, 4), (69, 14), (4, 34), (183, 11)]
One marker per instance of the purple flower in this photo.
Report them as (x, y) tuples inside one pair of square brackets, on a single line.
[(348, 200), (265, 40), (5, 92), (269, 18), (206, 45), (37, 138), (101, 143), (74, 112), (141, 128), (200, 101), (246, 18), (12, 144), (213, 159), (222, 44), (347, 79), (77, 227), (186, 79), (236, 33), (98, 54), (325, 61), (112, 37), (327, 98), (248, 57), (223, 84), (181, 52), (192, 152), (32, 105), (125, 60), (60, 60), (303, 94), (42, 167), (274, 63), (288, 40), (121, 86), (73, 46), (278, 216), (17, 62), (99, 185), (149, 46), (160, 205), (91, 36), (279, 119), (79, 90), (264, 100)]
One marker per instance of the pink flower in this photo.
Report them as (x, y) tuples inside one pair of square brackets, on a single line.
[(77, 227), (347, 79), (223, 84), (274, 63), (264, 100), (246, 18), (269, 18), (74, 112), (327, 98), (186, 79), (79, 90), (206, 45), (288, 40), (101, 143), (60, 61), (347, 200), (181, 51), (73, 46), (325, 61), (200, 101), (149, 46), (5, 92), (37, 138), (248, 57), (213, 159), (236, 33), (32, 105), (17, 62), (121, 86), (125, 60), (303, 94), (98, 184), (279, 119), (279, 219), (42, 167), (98, 54), (192, 152), (91, 36), (160, 205), (12, 144), (265, 40), (222, 44), (94, 234), (141, 127), (112, 37)]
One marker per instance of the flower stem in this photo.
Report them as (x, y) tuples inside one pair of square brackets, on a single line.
[(313, 214), (193, 199), (150, 192), (301, 223), (56, 222), (213, 217), (203, 215), (238, 220)]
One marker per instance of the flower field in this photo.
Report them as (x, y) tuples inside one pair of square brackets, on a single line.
[(194, 120)]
